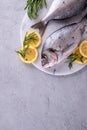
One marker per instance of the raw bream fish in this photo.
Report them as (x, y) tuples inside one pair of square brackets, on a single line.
[(62, 43), (61, 9)]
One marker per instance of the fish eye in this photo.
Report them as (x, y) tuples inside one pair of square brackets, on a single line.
[(51, 50), (44, 59), (44, 56)]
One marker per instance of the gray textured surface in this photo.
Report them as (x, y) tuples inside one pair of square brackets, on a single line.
[(30, 99)]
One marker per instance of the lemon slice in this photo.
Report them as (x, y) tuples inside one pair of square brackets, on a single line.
[(83, 48), (78, 61), (28, 55), (32, 38), (81, 63)]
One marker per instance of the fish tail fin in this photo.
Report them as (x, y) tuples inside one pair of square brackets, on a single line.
[(41, 26)]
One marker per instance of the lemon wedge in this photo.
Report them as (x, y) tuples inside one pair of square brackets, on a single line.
[(28, 55), (83, 48), (78, 60), (32, 38)]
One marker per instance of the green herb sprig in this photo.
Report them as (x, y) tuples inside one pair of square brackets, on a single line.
[(28, 38), (23, 51), (33, 6), (31, 37), (74, 57)]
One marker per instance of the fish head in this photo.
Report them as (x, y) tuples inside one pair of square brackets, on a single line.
[(49, 57)]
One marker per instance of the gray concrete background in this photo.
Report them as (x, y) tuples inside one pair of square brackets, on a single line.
[(30, 99)]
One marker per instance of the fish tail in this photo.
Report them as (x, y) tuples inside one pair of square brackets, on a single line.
[(41, 26)]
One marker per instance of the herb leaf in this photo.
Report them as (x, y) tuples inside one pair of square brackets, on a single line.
[(33, 6), (70, 65), (31, 37), (23, 52), (74, 57)]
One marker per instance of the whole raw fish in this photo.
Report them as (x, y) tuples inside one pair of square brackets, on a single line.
[(72, 20), (61, 9), (62, 43)]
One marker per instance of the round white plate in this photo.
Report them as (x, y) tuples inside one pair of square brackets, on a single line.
[(59, 70)]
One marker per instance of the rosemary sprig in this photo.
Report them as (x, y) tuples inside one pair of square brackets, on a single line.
[(31, 37), (23, 51), (74, 57), (33, 6)]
